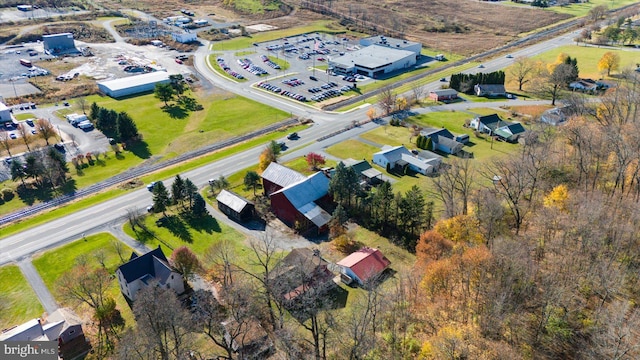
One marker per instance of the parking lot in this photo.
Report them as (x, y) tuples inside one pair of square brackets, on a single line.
[(307, 78)]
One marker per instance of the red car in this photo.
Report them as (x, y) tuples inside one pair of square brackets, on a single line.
[(320, 59), (179, 61)]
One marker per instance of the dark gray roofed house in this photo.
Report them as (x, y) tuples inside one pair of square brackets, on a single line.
[(443, 140), (364, 170), (235, 206), (141, 271), (492, 124), (489, 90)]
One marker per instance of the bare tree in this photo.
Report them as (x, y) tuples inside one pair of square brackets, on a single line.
[(522, 70), (452, 183), (359, 325), (5, 141), (163, 325), (552, 83), (118, 246), (82, 104), (24, 135), (134, 217), (45, 129), (220, 257), (418, 92), (387, 100)]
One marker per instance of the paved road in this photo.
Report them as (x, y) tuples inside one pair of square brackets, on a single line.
[(31, 274)]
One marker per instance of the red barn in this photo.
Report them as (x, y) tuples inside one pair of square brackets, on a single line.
[(298, 204), (276, 177)]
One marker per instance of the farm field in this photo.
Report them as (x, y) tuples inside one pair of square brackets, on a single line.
[(18, 302)]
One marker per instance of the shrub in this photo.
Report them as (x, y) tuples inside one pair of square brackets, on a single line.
[(7, 194)]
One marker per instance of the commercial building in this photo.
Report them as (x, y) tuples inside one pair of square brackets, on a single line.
[(184, 37), (392, 43), (373, 61), (133, 85), (59, 43)]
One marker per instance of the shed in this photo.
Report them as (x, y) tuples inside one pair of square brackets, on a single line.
[(235, 206), (5, 113), (364, 265)]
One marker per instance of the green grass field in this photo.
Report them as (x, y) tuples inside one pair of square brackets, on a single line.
[(588, 57), (198, 236), (352, 149), (581, 9), (18, 301), (54, 263), (388, 135), (24, 116)]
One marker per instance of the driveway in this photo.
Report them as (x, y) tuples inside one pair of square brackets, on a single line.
[(31, 274)]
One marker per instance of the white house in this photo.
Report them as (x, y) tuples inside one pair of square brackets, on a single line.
[(399, 156), (141, 271)]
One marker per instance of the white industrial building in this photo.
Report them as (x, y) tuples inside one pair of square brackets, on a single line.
[(380, 56), (184, 37), (133, 84)]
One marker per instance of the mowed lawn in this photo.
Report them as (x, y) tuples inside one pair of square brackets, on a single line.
[(352, 149), (223, 117), (18, 301), (54, 263), (198, 236), (588, 58)]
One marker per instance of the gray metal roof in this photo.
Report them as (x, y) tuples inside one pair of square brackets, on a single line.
[(281, 175), (444, 92), (303, 192), (315, 214), (234, 201), (393, 154), (137, 80), (371, 57)]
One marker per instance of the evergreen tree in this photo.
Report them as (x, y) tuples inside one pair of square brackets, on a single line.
[(161, 198), (126, 128), (164, 93), (190, 189), (198, 206), (251, 181), (93, 112), (177, 190), (17, 171)]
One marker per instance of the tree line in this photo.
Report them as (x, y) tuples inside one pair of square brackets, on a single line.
[(117, 125)]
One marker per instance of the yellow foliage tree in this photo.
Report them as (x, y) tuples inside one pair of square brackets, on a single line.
[(560, 59), (371, 113), (557, 198), (609, 61), (460, 229), (266, 158), (402, 103)]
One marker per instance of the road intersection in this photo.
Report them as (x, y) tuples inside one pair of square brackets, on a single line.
[(112, 212)]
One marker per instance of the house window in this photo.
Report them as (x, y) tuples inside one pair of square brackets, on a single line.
[(71, 332), (171, 277), (168, 286)]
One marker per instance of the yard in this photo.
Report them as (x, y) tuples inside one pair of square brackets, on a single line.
[(198, 235), (18, 302), (352, 149), (54, 263), (588, 57), (582, 8)]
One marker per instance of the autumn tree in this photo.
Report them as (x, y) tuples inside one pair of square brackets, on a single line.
[(522, 70), (597, 12), (314, 160), (185, 262), (551, 83), (372, 113), (608, 62), (268, 155), (5, 141), (24, 135)]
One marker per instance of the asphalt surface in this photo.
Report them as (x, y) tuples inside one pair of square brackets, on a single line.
[(42, 292)]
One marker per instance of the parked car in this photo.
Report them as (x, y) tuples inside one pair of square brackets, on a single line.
[(30, 122), (313, 78), (59, 147), (13, 136), (509, 56)]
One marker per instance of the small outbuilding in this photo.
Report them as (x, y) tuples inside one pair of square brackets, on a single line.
[(59, 43), (235, 206), (184, 37), (5, 114)]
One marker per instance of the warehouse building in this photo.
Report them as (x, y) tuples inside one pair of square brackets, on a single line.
[(59, 43), (184, 37), (133, 85), (5, 114), (373, 61)]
